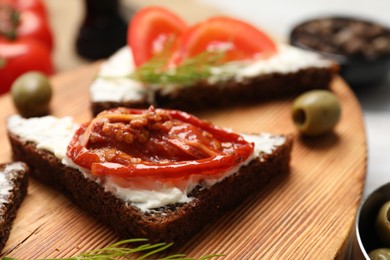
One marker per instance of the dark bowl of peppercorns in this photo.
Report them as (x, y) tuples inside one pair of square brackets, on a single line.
[(361, 47)]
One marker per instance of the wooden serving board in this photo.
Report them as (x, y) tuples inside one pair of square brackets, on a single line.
[(307, 215)]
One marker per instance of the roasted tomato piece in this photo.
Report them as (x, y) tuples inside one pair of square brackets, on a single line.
[(156, 143)]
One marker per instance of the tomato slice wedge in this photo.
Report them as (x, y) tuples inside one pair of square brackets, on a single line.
[(149, 31), (155, 143), (239, 40)]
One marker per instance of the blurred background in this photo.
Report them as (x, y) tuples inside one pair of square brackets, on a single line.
[(66, 18), (277, 17)]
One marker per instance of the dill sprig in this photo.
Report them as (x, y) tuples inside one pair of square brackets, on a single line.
[(120, 251), (189, 72), (157, 72)]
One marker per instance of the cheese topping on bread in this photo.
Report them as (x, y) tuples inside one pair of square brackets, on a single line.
[(114, 85), (13, 189), (54, 134), (6, 185)]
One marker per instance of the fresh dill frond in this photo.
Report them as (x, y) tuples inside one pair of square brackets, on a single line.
[(189, 72), (160, 71), (120, 251)]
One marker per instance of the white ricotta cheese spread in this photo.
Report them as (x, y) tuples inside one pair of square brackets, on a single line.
[(114, 85), (113, 82), (53, 134), (5, 180)]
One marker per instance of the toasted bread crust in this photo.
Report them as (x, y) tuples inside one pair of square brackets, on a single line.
[(18, 181), (262, 88), (171, 223)]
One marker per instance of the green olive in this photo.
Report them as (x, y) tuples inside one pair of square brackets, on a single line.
[(380, 254), (31, 93), (316, 112), (382, 224)]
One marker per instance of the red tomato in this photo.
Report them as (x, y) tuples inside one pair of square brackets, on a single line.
[(35, 26), (26, 43), (240, 40), (155, 143), (32, 21), (20, 56), (149, 31), (37, 6)]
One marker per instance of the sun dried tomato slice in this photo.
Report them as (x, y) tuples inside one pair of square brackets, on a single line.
[(156, 143)]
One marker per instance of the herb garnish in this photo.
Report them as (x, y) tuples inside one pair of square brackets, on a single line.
[(156, 72), (117, 251), (189, 72)]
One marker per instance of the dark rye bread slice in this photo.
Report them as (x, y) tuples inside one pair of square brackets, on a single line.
[(227, 93), (13, 189), (177, 222)]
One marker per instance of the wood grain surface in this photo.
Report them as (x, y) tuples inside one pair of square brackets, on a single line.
[(307, 215)]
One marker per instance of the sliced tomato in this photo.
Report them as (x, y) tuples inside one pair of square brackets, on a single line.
[(149, 31), (239, 40)]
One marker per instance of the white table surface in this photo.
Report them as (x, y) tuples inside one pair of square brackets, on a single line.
[(277, 17)]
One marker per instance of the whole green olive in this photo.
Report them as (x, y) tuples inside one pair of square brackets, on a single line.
[(382, 224), (380, 254), (316, 112), (31, 93)]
